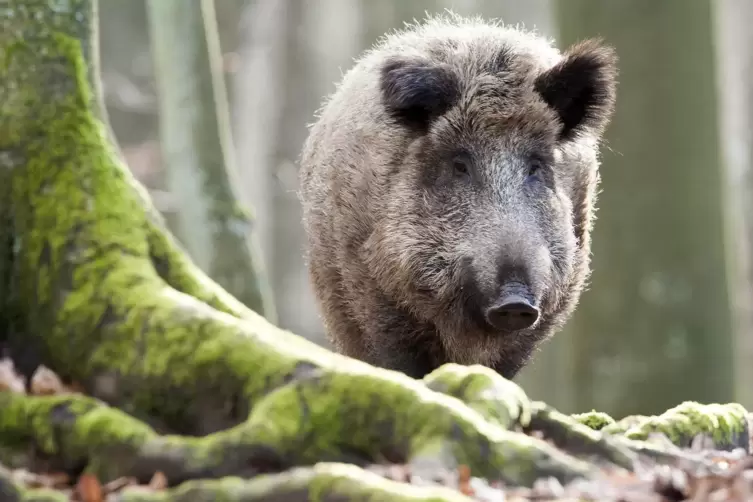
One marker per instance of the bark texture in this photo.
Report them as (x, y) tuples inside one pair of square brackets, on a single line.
[(184, 379)]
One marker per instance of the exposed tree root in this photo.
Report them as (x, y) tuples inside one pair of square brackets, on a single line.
[(300, 423), (727, 426)]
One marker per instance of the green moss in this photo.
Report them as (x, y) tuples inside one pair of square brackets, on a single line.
[(725, 424), (386, 415), (43, 495), (243, 213), (73, 429), (177, 270), (595, 420), (24, 419), (577, 438), (484, 390)]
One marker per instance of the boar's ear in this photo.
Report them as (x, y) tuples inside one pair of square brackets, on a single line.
[(581, 88), (416, 91)]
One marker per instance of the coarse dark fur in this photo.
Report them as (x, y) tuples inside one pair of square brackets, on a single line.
[(457, 159)]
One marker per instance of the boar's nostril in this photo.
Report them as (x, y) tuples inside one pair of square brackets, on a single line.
[(512, 313)]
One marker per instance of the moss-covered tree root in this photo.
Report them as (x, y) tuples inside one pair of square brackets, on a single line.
[(504, 403), (300, 423), (727, 426)]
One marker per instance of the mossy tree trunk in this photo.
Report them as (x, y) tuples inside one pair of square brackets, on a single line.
[(93, 286), (655, 325), (197, 148)]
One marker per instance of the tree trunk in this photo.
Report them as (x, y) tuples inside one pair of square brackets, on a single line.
[(257, 99), (735, 89), (94, 287), (198, 152), (298, 99), (655, 325)]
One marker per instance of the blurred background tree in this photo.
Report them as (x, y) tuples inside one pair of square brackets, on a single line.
[(669, 313), (199, 158), (658, 307)]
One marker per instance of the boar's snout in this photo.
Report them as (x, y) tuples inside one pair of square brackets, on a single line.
[(503, 290), (512, 311)]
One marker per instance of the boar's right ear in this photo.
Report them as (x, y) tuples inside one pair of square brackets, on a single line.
[(415, 91), (581, 88)]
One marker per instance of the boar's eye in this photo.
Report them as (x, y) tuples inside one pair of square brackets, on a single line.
[(461, 166), (535, 170)]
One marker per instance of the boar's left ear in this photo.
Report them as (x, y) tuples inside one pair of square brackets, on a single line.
[(581, 88)]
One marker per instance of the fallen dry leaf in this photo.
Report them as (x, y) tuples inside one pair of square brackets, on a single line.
[(89, 489), (158, 482), (9, 379), (464, 480), (45, 382)]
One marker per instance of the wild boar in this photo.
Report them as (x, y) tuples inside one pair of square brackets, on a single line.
[(448, 188)]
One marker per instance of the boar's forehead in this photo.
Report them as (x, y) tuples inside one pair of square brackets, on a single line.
[(498, 103), (520, 124)]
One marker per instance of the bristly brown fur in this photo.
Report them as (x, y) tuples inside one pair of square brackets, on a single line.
[(456, 157)]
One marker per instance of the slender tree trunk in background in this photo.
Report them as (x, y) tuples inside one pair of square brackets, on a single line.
[(300, 48), (198, 153), (334, 40), (735, 85), (257, 87), (297, 93), (655, 326), (128, 77), (229, 14), (322, 44), (271, 119), (124, 45)]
